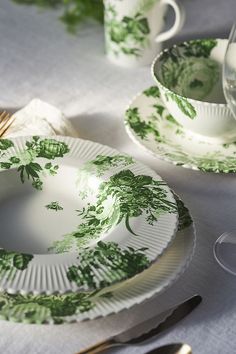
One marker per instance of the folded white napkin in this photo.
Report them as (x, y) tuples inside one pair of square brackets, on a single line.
[(40, 118)]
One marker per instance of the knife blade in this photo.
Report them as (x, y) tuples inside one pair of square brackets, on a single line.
[(175, 314)]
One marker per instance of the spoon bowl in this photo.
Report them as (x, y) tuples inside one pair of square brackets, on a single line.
[(174, 348)]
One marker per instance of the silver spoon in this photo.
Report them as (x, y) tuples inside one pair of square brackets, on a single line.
[(174, 348)]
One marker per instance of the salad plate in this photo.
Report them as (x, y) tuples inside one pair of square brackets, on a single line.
[(77, 216), (150, 125), (76, 307)]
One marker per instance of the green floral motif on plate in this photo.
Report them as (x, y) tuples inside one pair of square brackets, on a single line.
[(43, 308), (11, 262), (103, 163), (152, 91), (54, 206), (120, 264), (158, 131), (25, 161), (214, 162), (142, 128), (98, 167), (124, 196), (5, 144), (185, 219)]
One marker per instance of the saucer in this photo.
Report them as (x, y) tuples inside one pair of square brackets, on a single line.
[(149, 125)]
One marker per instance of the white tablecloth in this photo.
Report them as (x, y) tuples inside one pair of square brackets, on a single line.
[(39, 59)]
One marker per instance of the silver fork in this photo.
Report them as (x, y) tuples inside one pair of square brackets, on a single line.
[(6, 120)]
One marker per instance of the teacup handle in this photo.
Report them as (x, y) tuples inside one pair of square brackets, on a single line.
[(179, 20)]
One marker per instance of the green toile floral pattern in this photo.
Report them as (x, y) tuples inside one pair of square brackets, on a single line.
[(127, 35), (43, 308), (184, 105), (103, 163), (64, 308), (187, 70), (211, 162), (119, 264), (216, 162), (5, 144), (54, 206), (123, 197), (11, 262), (160, 131), (97, 167), (198, 47), (140, 127), (26, 161), (185, 219), (144, 128), (71, 12), (152, 91)]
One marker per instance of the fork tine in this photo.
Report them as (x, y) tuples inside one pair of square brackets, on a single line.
[(4, 120), (8, 122), (5, 123), (3, 115)]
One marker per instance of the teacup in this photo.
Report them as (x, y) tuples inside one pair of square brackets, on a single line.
[(189, 77), (133, 29)]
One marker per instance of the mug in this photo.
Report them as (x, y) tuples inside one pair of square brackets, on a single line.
[(133, 29)]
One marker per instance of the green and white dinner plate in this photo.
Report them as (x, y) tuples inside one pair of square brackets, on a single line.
[(78, 216), (150, 125), (74, 307)]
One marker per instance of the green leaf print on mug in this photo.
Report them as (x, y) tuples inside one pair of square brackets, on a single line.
[(128, 35)]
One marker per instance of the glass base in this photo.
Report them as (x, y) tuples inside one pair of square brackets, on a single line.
[(225, 251)]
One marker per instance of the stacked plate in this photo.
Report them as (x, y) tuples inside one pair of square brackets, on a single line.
[(85, 231)]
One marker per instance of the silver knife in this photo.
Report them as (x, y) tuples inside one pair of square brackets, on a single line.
[(174, 315)]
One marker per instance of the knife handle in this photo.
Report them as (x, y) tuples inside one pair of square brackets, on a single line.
[(98, 347)]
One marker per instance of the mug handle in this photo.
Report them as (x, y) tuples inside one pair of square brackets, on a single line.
[(179, 20)]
